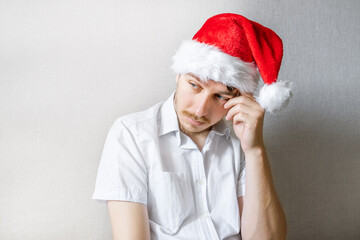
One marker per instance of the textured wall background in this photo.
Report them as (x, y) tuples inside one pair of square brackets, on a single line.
[(68, 69)]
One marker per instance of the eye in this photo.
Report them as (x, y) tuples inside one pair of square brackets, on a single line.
[(193, 85), (222, 98)]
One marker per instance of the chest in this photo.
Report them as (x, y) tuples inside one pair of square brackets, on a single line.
[(184, 182)]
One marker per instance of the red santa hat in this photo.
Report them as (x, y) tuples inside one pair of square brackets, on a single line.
[(232, 49)]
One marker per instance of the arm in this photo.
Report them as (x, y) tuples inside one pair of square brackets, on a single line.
[(129, 220), (261, 214)]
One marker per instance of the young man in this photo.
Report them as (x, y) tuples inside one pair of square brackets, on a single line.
[(177, 170)]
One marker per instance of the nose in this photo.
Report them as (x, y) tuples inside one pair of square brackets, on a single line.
[(202, 108)]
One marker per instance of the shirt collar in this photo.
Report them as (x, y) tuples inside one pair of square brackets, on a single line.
[(168, 118), (169, 121), (221, 128)]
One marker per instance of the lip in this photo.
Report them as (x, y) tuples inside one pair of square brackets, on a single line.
[(193, 122)]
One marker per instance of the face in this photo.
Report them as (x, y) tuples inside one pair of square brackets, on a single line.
[(199, 105)]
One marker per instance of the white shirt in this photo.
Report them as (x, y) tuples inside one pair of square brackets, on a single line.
[(189, 194)]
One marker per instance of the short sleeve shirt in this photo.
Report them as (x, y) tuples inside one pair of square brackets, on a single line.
[(189, 194)]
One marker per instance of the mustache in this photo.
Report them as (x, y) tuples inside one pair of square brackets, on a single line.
[(194, 117)]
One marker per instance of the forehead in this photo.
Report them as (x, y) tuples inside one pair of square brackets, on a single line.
[(218, 86), (209, 83)]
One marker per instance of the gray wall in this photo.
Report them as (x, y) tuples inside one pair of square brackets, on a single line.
[(68, 69)]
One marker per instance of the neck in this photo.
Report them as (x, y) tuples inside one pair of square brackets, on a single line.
[(199, 139)]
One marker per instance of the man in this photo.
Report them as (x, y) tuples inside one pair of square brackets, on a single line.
[(177, 170)]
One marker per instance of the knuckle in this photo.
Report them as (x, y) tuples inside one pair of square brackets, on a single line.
[(242, 99), (238, 108), (262, 111), (258, 115)]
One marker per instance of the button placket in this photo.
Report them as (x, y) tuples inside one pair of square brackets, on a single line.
[(202, 181), (202, 184), (203, 210)]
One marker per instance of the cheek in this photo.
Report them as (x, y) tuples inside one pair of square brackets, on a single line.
[(219, 113), (223, 112), (187, 100), (185, 103)]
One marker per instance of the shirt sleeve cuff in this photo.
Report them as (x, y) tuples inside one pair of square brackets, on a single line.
[(102, 195), (241, 190)]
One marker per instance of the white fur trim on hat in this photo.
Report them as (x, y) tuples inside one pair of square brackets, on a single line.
[(275, 96), (209, 63)]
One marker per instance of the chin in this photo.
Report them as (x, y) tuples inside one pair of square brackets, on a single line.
[(191, 130)]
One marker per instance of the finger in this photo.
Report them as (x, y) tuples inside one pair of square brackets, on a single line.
[(249, 95), (236, 109), (236, 100), (241, 99), (240, 117)]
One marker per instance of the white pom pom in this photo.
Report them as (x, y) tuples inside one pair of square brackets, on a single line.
[(275, 96)]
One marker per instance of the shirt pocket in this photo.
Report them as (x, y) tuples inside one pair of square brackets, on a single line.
[(170, 199)]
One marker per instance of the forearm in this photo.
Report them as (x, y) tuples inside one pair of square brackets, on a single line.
[(262, 215), (129, 220)]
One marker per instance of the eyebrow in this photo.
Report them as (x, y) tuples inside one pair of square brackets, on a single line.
[(228, 93), (196, 77)]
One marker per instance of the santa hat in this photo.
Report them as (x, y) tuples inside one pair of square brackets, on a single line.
[(232, 49)]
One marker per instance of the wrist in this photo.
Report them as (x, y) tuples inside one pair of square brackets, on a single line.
[(255, 151)]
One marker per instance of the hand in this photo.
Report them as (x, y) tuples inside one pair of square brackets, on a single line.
[(247, 117)]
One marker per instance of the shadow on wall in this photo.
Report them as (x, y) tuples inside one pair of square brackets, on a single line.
[(315, 161)]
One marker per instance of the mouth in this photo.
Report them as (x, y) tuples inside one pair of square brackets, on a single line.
[(193, 122)]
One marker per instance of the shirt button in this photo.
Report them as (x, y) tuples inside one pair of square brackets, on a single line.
[(201, 181), (204, 216)]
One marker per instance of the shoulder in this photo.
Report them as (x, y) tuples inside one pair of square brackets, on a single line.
[(141, 122)]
